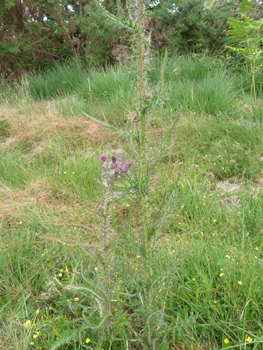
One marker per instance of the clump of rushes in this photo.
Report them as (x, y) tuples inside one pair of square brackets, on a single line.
[(113, 172)]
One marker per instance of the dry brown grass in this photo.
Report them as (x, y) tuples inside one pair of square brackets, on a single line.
[(37, 202), (44, 123)]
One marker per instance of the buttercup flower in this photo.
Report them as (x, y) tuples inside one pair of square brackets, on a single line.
[(239, 282), (27, 324), (88, 340), (226, 341), (249, 339)]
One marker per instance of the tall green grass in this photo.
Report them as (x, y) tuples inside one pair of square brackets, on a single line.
[(212, 95), (195, 84), (60, 80)]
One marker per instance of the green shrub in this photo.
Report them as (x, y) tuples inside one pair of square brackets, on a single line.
[(194, 25)]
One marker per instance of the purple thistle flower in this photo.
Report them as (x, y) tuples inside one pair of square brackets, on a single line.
[(103, 157), (125, 167), (116, 170)]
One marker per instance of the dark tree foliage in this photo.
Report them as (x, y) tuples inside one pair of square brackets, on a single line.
[(36, 33), (194, 25)]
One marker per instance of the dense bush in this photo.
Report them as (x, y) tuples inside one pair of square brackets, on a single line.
[(36, 33), (194, 25)]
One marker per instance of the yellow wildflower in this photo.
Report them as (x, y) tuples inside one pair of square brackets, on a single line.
[(221, 274), (226, 341), (239, 282), (249, 339), (87, 340), (27, 324), (76, 299)]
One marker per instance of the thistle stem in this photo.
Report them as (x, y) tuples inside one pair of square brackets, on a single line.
[(142, 116), (106, 253)]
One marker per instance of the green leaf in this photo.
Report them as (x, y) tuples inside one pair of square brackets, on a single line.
[(63, 338), (10, 3), (246, 6)]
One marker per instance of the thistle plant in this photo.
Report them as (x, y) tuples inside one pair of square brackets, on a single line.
[(113, 171), (137, 130), (132, 18)]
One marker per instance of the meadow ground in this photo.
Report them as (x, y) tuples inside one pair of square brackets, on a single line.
[(207, 268)]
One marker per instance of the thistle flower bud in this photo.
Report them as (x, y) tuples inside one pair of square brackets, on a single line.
[(114, 159), (105, 165), (117, 195), (103, 157), (113, 165), (127, 167)]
